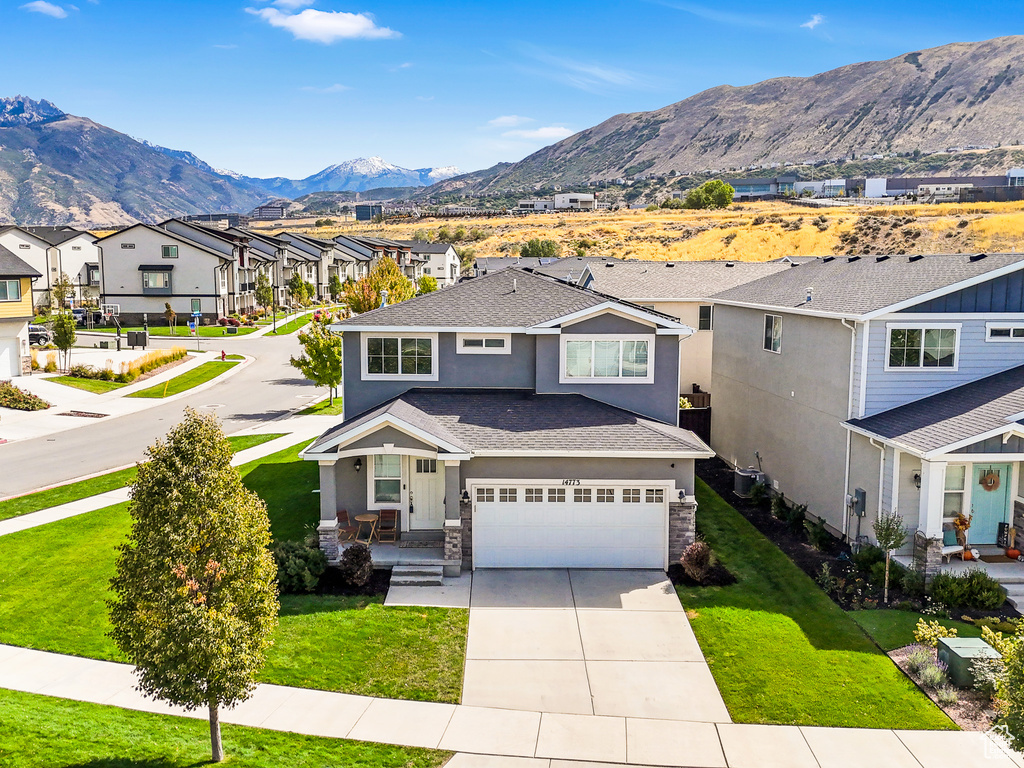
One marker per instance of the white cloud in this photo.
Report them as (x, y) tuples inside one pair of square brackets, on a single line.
[(814, 21), (336, 88), (291, 5), (547, 133), (48, 9), (589, 76), (324, 26), (509, 121)]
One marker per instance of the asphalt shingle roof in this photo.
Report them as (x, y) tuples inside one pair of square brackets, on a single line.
[(510, 298), (684, 280), (949, 417), (55, 235), (12, 266), (520, 420), (855, 286), (420, 247)]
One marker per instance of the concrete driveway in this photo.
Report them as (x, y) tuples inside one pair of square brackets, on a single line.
[(575, 642)]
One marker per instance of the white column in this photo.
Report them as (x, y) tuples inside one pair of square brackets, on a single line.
[(933, 484)]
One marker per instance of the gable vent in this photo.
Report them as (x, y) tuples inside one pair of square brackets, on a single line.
[(978, 256), (729, 264), (669, 264), (912, 259)]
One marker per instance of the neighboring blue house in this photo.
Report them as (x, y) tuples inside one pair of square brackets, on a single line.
[(522, 421), (901, 377)]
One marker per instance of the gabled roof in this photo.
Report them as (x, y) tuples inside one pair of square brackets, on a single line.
[(54, 235), (487, 264), (512, 298), (224, 235), (417, 246), (518, 422), (952, 419), (866, 286), (675, 280), (171, 236), (12, 266)]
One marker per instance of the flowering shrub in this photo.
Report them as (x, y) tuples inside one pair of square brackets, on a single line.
[(929, 632), (19, 399)]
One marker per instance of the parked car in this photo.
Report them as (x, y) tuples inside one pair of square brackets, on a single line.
[(81, 315), (39, 335)]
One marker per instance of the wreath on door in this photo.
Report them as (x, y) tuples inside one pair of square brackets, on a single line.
[(990, 480)]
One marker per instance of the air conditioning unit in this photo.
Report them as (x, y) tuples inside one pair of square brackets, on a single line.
[(744, 479)]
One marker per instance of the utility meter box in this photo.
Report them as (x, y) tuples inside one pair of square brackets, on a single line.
[(957, 653), (859, 501)]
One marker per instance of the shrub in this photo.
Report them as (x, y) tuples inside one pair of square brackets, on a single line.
[(19, 400), (929, 632), (986, 674), (51, 363), (780, 509), (697, 560), (897, 574), (222, 321), (947, 695), (818, 536), (356, 566), (867, 556), (913, 584), (933, 675), (828, 582), (972, 589), (298, 566), (917, 660), (795, 518), (759, 494)]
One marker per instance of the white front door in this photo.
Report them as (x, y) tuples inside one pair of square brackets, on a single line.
[(426, 494)]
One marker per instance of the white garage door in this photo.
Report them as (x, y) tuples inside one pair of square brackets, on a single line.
[(585, 526), (10, 362)]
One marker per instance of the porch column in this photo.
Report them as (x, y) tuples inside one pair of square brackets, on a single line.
[(327, 530), (452, 489), (928, 538)]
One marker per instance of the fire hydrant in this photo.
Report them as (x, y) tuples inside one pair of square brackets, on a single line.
[(223, 355)]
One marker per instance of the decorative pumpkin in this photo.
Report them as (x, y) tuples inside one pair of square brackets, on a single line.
[(968, 555), (1013, 554), (990, 480)]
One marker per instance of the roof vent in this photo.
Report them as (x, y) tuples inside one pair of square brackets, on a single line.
[(826, 260), (852, 259), (669, 264), (810, 294), (978, 256), (609, 264), (881, 258), (515, 285), (729, 264), (912, 259)]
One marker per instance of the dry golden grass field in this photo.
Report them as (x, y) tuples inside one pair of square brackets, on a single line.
[(749, 231)]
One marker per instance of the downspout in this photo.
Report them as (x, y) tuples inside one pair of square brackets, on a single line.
[(849, 435)]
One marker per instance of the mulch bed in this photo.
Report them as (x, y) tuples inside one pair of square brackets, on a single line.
[(972, 712), (718, 576), (331, 583)]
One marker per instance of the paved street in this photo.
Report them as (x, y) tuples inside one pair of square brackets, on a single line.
[(267, 388)]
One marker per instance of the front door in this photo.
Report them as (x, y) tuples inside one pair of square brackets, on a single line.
[(426, 494), (990, 501)]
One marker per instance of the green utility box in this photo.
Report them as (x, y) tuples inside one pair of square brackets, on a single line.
[(957, 653)]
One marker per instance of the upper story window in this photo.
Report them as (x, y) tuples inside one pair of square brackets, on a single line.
[(483, 343), (604, 359), (10, 290), (397, 357), (773, 333), (919, 346), (1005, 331), (705, 315), (168, 251)]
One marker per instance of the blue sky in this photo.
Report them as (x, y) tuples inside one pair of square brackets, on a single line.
[(288, 87)]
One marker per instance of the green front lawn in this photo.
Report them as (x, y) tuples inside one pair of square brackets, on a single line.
[(53, 588), (40, 730), (96, 386), (895, 629), (198, 375), (780, 650), (323, 408), (294, 325), (180, 331), (62, 494)]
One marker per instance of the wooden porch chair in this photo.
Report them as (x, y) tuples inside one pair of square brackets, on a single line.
[(948, 550), (346, 531), (387, 526)]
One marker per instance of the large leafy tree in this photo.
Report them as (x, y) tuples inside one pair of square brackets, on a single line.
[(542, 249), (321, 358), (711, 194), (368, 292), (195, 593), (427, 284)]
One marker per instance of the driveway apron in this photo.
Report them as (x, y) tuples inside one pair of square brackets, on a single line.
[(581, 642)]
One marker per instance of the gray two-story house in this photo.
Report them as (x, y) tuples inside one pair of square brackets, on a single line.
[(522, 421), (896, 380)]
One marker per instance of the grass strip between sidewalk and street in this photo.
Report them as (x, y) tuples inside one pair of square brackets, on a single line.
[(186, 381), (54, 586), (42, 730), (63, 494), (323, 408), (180, 331), (292, 326), (780, 650)]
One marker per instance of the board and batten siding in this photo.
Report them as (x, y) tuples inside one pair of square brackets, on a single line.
[(976, 359), (1002, 294)]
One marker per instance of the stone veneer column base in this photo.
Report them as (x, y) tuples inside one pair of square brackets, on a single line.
[(329, 545), (927, 555), (466, 514), (452, 547), (682, 527)]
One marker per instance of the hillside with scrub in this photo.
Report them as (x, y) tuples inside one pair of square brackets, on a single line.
[(747, 232)]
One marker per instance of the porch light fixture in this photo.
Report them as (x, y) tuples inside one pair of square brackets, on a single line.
[(465, 494), (359, 463), (917, 480), (682, 495)]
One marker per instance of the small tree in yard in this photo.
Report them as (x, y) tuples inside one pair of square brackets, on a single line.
[(321, 361), (195, 595), (64, 336), (297, 288), (890, 534), (63, 290), (169, 315), (264, 291), (367, 292), (334, 287), (1010, 687), (427, 284)]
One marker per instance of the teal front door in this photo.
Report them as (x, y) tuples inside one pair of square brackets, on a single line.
[(990, 501)]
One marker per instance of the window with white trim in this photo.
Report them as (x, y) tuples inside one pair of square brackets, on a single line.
[(483, 343), (399, 356), (605, 495), (606, 360), (156, 280), (426, 466), (630, 495), (534, 495), (10, 290), (485, 494), (508, 495), (556, 495), (655, 495), (1004, 332), (922, 347), (387, 479), (954, 491), (581, 495), (773, 333), (705, 317)]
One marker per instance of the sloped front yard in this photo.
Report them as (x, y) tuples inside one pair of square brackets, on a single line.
[(780, 650)]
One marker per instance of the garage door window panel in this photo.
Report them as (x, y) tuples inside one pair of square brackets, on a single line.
[(631, 495), (556, 495), (534, 495), (582, 495)]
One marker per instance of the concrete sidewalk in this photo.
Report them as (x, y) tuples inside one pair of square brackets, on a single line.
[(488, 737), (297, 429)]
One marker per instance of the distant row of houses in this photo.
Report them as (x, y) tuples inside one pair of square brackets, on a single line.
[(568, 201), (197, 269)]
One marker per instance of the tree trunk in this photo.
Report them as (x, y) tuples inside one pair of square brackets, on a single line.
[(885, 598), (216, 748), (331, 390)]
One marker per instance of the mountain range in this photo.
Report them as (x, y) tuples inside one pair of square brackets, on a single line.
[(954, 95)]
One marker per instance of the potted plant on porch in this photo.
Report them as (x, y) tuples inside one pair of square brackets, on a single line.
[(962, 524)]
